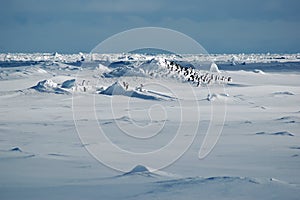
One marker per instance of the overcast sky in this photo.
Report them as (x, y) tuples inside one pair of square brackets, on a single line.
[(229, 26)]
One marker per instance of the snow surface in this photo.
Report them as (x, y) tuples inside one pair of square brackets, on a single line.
[(42, 157)]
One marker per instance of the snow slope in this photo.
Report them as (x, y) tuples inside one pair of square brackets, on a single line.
[(42, 156)]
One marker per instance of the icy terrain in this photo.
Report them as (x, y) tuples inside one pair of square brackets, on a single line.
[(42, 156)]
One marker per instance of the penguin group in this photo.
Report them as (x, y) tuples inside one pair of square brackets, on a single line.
[(195, 76)]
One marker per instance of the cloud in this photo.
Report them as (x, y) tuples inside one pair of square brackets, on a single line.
[(79, 25), (77, 6), (240, 36)]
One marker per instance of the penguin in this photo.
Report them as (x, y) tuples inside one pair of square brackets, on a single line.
[(209, 80), (140, 88), (191, 77), (202, 77), (185, 72), (216, 78), (168, 66), (196, 77)]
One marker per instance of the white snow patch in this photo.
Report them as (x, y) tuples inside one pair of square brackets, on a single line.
[(214, 68)]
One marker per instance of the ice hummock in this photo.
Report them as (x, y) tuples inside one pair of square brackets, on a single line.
[(214, 68), (49, 86), (118, 89), (114, 89)]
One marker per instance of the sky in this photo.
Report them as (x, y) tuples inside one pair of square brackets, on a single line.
[(72, 26)]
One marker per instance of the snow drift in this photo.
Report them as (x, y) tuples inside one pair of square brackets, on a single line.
[(117, 89)]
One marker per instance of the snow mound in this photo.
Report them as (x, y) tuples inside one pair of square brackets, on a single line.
[(16, 149), (213, 97), (280, 133), (288, 119), (258, 71), (138, 169), (114, 89), (118, 89), (284, 93), (144, 171)]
